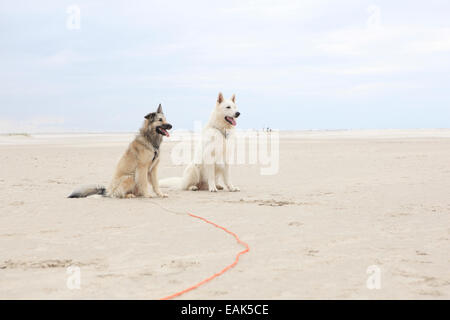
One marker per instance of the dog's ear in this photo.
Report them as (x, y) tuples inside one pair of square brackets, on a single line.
[(233, 98), (220, 98), (151, 116), (159, 110)]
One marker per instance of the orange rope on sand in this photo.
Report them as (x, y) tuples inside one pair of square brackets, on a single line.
[(247, 249)]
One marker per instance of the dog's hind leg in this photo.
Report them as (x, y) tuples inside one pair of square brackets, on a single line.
[(122, 187), (191, 178)]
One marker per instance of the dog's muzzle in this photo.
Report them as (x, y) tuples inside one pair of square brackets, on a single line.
[(231, 120), (163, 129)]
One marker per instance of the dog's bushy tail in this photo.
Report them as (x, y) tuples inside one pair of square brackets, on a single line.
[(86, 191), (174, 182)]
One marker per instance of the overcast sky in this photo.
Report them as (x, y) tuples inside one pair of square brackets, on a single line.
[(313, 64)]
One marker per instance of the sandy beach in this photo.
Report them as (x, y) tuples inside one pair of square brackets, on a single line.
[(341, 202)]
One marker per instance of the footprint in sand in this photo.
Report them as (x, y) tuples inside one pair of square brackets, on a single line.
[(433, 293), (271, 202), (17, 203), (312, 253), (48, 231), (179, 264), (44, 264), (10, 264)]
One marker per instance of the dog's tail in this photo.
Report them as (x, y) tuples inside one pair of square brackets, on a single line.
[(86, 191), (174, 182)]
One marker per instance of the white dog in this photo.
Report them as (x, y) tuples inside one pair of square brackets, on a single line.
[(211, 162)]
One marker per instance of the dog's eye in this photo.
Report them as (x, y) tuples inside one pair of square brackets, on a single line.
[(160, 119), (228, 107)]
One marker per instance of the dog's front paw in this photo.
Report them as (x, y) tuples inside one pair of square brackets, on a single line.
[(233, 189), (162, 195), (212, 189)]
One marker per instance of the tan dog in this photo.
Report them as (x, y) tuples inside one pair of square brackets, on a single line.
[(138, 166)]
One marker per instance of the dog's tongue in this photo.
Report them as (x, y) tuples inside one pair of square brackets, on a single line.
[(233, 122), (166, 133)]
